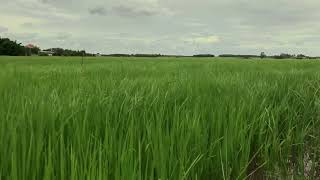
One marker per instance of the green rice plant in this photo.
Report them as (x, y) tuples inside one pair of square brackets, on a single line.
[(158, 118)]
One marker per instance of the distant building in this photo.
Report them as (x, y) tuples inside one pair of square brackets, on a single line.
[(47, 52)]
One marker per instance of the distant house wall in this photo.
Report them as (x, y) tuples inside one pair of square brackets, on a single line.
[(46, 53)]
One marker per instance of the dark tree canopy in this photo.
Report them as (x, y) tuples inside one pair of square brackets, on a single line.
[(11, 48), (66, 52), (263, 55), (204, 55), (238, 56), (32, 51)]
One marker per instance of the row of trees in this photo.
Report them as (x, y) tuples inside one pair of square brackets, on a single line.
[(156, 55), (135, 55), (263, 55), (64, 52), (239, 56), (204, 55), (292, 56), (11, 48)]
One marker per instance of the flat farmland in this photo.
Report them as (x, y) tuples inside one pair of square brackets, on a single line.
[(158, 118)]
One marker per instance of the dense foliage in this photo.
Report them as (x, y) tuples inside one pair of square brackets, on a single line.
[(238, 56), (135, 55), (136, 118), (32, 51), (66, 52), (292, 56), (11, 48), (204, 55)]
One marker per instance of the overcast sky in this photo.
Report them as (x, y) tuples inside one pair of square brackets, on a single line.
[(166, 26)]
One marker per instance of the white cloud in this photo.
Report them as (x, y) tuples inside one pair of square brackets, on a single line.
[(203, 40)]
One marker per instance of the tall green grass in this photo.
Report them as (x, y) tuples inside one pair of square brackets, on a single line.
[(134, 118)]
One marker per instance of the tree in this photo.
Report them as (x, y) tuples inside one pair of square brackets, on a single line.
[(286, 56), (248, 56), (11, 48), (301, 56), (204, 55), (263, 55), (35, 50), (67, 52)]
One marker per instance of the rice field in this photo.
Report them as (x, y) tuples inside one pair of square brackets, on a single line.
[(158, 118)]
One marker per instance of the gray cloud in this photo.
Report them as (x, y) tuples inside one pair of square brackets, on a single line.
[(166, 26), (130, 11), (98, 11), (62, 36), (133, 11), (3, 29), (27, 25), (45, 1), (280, 18)]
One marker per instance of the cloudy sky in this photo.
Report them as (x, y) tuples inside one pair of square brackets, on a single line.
[(166, 26)]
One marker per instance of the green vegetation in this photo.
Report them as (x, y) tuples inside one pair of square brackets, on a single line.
[(11, 48), (158, 118), (67, 52)]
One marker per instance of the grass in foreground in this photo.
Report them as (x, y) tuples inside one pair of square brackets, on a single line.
[(134, 118)]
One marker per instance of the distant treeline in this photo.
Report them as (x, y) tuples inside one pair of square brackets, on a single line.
[(64, 52), (281, 56), (134, 55), (290, 56), (156, 55), (204, 55), (12, 48), (239, 56)]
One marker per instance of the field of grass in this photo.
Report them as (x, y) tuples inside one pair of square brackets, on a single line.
[(158, 118)]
